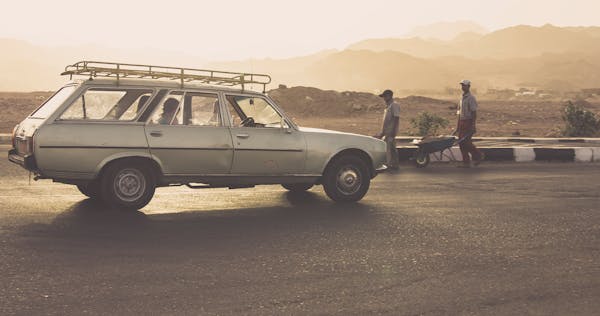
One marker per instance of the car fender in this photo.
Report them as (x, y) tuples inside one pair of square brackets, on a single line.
[(345, 148)]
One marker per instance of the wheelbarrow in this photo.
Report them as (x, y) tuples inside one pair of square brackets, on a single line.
[(439, 147)]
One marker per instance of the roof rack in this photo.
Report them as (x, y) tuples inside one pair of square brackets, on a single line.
[(120, 70)]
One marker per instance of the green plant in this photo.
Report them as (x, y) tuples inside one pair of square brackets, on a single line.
[(428, 123), (579, 122)]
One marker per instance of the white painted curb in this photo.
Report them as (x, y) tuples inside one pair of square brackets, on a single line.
[(583, 154), (596, 154), (523, 154)]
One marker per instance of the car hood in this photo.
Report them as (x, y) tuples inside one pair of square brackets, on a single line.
[(326, 131)]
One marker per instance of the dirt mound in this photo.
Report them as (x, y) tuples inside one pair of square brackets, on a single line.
[(419, 100), (313, 101), (303, 101)]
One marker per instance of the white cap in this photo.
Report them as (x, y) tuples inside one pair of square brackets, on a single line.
[(465, 82)]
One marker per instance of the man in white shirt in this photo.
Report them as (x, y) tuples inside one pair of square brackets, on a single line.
[(466, 126), (389, 128)]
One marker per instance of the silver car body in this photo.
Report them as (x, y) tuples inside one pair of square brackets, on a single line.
[(76, 151)]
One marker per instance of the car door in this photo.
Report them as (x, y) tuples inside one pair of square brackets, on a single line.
[(265, 144), (187, 135)]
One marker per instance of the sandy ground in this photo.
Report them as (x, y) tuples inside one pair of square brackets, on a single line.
[(362, 112)]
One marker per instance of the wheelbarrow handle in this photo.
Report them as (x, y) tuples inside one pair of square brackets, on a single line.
[(464, 137)]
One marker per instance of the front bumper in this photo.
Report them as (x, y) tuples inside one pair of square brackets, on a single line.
[(27, 161)]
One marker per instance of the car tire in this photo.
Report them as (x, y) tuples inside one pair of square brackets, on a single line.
[(90, 189), (297, 187), (127, 185), (346, 179)]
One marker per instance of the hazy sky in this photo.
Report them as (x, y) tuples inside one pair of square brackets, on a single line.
[(237, 29)]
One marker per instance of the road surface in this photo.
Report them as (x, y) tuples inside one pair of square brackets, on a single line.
[(502, 239)]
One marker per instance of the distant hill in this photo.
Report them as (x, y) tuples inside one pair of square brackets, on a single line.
[(546, 57), (292, 71), (446, 31), (512, 42), (28, 67)]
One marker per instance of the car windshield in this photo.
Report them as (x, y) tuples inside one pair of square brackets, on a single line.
[(48, 107)]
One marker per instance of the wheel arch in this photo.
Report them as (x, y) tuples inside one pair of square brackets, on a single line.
[(148, 161), (353, 152)]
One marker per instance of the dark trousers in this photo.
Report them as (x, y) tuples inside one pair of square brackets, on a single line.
[(465, 128)]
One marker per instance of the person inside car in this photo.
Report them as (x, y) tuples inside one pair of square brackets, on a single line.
[(168, 115)]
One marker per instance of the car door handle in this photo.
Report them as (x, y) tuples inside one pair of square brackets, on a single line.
[(156, 133), (242, 136)]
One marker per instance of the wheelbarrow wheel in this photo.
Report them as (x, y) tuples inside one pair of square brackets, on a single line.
[(421, 159)]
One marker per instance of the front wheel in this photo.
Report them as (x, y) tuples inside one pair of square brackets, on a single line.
[(297, 187), (346, 179), (127, 185)]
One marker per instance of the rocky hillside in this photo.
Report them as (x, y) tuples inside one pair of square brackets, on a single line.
[(308, 101)]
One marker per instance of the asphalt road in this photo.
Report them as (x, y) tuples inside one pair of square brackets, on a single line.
[(502, 239)]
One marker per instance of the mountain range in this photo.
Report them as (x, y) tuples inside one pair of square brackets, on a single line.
[(545, 57)]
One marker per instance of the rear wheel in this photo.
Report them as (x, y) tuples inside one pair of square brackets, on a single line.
[(127, 185), (421, 159), (346, 179), (91, 189), (297, 187)]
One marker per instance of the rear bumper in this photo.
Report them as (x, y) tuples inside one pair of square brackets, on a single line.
[(27, 161)]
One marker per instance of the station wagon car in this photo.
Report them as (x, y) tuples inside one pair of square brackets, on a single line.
[(127, 129)]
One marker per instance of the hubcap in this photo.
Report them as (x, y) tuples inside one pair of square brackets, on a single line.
[(348, 180), (129, 185)]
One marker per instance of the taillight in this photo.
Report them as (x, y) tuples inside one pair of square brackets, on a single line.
[(13, 138)]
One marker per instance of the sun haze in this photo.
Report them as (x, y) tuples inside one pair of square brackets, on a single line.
[(224, 30)]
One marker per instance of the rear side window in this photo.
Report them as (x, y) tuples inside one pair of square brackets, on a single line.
[(108, 104), (201, 109), (55, 101), (188, 108)]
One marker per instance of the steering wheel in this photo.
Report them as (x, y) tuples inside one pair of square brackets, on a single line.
[(247, 122)]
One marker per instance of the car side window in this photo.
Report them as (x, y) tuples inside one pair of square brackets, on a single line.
[(201, 109), (107, 104), (253, 111), (168, 111)]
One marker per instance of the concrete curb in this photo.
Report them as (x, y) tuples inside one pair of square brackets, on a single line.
[(408, 139), (5, 139), (517, 154)]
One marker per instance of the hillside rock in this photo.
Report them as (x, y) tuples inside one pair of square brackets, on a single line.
[(308, 101)]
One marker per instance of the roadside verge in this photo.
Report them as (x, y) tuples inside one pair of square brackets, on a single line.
[(517, 154)]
